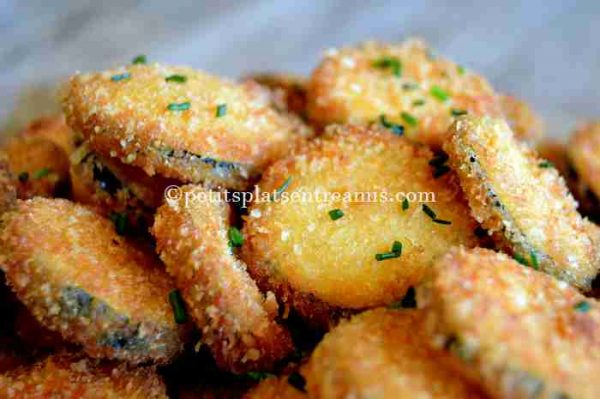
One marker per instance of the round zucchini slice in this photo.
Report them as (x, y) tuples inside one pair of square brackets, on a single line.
[(526, 334), (77, 276), (513, 193)]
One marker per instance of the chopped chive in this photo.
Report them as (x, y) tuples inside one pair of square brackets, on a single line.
[(179, 106), (178, 307), (43, 172), (397, 247), (520, 259), (386, 256), (140, 59), (582, 306), (460, 69), (410, 86), (545, 164), (336, 214), (439, 93), (419, 102), (392, 63), (120, 221), (534, 261), (221, 110), (119, 77), (258, 375), (282, 188), (442, 221), (236, 238), (408, 118), (176, 78), (23, 177), (458, 112), (404, 204), (297, 381), (394, 127), (429, 212)]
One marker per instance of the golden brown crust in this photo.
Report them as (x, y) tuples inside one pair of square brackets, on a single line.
[(55, 129), (289, 91), (525, 333), (129, 119), (73, 376), (275, 388), (529, 205), (353, 85), (583, 151), (523, 120), (78, 277), (319, 265), (237, 320), (39, 166), (384, 354)]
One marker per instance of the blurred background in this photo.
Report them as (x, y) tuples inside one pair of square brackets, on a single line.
[(546, 52)]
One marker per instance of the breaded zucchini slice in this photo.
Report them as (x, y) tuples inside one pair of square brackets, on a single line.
[(289, 91), (527, 334), (282, 387), (512, 192), (55, 129), (583, 152), (402, 84), (77, 276), (237, 320), (523, 120), (115, 189), (335, 249), (74, 376), (385, 353), (181, 123), (8, 184), (555, 154), (39, 166)]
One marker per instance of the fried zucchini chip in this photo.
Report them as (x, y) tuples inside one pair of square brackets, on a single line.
[(385, 353), (346, 237), (289, 91), (78, 277), (583, 151), (399, 85), (237, 320), (115, 189), (527, 334), (555, 153), (40, 167), (274, 387), (181, 123), (523, 120), (54, 129), (511, 192), (73, 376), (8, 185)]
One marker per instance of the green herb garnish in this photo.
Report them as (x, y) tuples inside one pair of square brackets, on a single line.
[(336, 214), (395, 252), (582, 306), (439, 94), (520, 259), (429, 212), (140, 59), (442, 221), (178, 306), (458, 112), (43, 172), (236, 238), (404, 204), (297, 381), (392, 63), (408, 118), (179, 106), (419, 102), (119, 77), (176, 79), (545, 164), (221, 110), (394, 127), (120, 221), (534, 261), (397, 247), (460, 69), (410, 86)]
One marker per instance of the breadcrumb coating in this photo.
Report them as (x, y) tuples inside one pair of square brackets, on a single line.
[(405, 82), (525, 333), (237, 320), (317, 264), (511, 193), (55, 129), (201, 129), (73, 376), (78, 277), (385, 353)]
